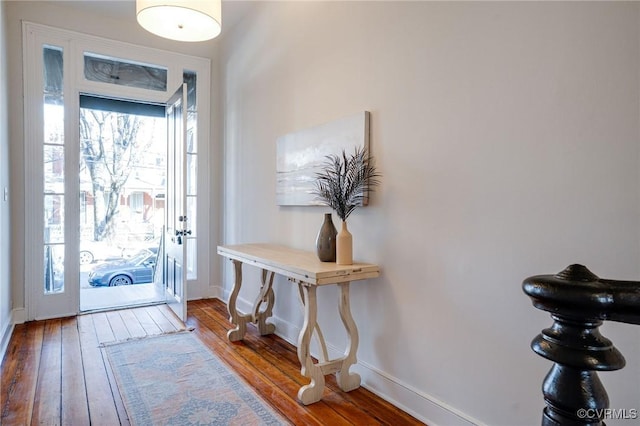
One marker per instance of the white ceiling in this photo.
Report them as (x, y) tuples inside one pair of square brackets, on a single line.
[(121, 9), (232, 11)]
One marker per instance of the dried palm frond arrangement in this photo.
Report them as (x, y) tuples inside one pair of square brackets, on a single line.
[(345, 181)]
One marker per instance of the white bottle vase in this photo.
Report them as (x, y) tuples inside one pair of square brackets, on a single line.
[(344, 246)]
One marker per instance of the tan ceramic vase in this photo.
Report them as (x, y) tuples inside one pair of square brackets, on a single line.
[(344, 246)]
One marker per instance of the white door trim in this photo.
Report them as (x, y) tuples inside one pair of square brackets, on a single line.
[(35, 36)]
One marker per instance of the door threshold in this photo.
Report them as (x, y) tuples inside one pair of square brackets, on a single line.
[(117, 308)]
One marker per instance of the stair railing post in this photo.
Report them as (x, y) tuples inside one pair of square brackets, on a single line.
[(579, 302)]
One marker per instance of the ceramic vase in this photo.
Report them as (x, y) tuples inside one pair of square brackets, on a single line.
[(326, 240), (344, 246)]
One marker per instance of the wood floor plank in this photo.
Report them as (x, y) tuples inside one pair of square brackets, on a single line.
[(76, 408), (17, 408), (47, 406), (132, 323), (256, 349), (117, 397), (291, 369), (120, 330), (275, 395), (147, 323), (35, 380), (173, 319), (277, 349), (102, 407), (161, 320), (9, 368), (104, 333)]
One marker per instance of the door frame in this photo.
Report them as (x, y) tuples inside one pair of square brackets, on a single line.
[(35, 37)]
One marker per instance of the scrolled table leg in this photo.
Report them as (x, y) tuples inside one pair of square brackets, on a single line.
[(312, 392), (237, 319), (266, 296), (348, 381)]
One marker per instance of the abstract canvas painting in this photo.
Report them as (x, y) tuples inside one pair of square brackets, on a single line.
[(300, 156)]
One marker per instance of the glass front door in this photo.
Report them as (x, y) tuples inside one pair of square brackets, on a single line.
[(95, 171)]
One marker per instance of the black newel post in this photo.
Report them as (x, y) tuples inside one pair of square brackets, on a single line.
[(578, 302)]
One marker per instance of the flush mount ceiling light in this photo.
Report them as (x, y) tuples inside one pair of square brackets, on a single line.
[(182, 20)]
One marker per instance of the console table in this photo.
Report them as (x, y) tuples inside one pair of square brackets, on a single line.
[(304, 269)]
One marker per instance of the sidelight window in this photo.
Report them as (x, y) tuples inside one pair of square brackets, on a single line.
[(189, 77), (54, 156)]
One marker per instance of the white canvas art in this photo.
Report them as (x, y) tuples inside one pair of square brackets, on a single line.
[(300, 156)]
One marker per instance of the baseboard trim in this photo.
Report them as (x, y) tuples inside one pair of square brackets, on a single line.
[(419, 404), (19, 315), (214, 292), (5, 336)]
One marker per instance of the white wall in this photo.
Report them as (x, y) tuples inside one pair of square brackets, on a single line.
[(507, 136), (5, 253)]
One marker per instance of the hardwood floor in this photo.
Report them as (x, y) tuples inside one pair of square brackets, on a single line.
[(55, 373)]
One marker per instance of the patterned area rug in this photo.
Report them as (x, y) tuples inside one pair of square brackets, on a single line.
[(173, 379)]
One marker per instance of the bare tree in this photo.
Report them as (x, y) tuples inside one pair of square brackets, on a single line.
[(109, 147)]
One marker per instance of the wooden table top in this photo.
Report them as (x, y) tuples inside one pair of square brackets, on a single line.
[(298, 264)]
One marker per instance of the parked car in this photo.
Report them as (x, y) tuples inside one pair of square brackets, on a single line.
[(131, 248), (137, 269), (90, 251)]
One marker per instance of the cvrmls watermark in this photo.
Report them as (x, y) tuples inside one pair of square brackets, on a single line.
[(608, 413)]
